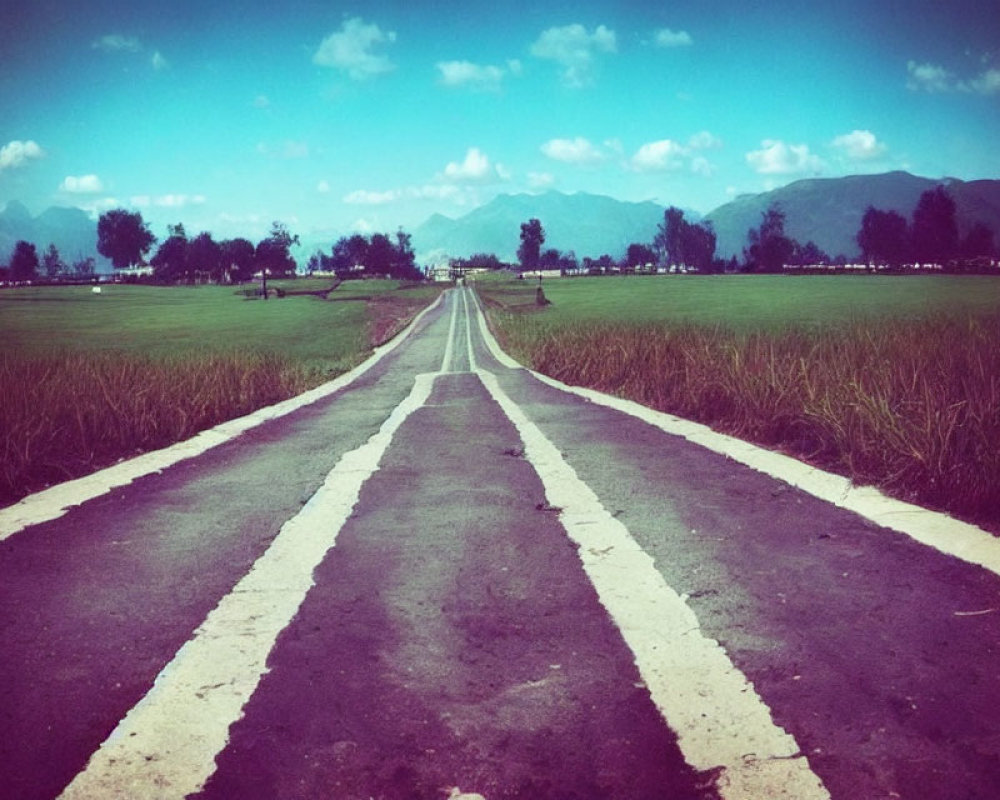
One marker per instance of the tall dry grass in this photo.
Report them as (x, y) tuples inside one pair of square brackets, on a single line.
[(911, 406), (62, 416)]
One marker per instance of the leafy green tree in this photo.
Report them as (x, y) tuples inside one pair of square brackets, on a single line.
[(170, 263), (768, 248), (532, 238), (669, 237), (52, 262), (123, 237), (272, 254), (205, 255), (24, 262), (884, 238), (935, 231), (237, 257), (84, 267), (978, 242), (638, 255), (808, 254), (698, 246)]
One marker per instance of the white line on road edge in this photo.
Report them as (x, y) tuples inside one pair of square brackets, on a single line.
[(165, 747), (934, 529), (718, 717), (50, 504)]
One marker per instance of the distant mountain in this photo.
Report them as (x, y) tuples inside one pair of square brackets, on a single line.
[(71, 230), (588, 224), (828, 211)]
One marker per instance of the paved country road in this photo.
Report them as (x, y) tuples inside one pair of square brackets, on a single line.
[(447, 575)]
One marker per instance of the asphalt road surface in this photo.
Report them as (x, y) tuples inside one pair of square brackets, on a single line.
[(447, 576)]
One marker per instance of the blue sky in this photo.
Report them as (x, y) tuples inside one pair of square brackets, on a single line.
[(335, 117)]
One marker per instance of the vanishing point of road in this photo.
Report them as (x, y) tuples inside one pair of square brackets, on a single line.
[(442, 575)]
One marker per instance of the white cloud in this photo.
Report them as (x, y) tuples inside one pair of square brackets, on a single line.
[(323, 187), (987, 83), (777, 158), (572, 151), (362, 197), (18, 153), (702, 166), (115, 42), (657, 156), (474, 169), (541, 180), (859, 145), (82, 184), (475, 76), (572, 47), (158, 61), (928, 78), (351, 49), (140, 200), (704, 141), (668, 38)]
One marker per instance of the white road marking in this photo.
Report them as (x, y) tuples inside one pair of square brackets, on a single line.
[(935, 529), (449, 345), (719, 719), (165, 747), (52, 503)]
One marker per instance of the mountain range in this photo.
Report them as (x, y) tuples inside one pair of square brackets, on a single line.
[(826, 211), (71, 230)]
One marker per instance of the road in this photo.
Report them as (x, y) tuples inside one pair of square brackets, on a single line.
[(446, 575)]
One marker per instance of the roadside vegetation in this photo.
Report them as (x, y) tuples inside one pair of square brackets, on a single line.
[(893, 382), (88, 379)]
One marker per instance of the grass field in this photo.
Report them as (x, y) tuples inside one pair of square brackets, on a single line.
[(891, 381), (87, 379)]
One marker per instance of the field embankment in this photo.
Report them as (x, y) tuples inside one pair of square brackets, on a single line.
[(893, 382), (87, 380)]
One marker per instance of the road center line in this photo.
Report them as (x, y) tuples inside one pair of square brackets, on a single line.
[(719, 719), (449, 346), (165, 747)]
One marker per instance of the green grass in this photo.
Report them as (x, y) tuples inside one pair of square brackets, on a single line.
[(891, 381), (87, 379)]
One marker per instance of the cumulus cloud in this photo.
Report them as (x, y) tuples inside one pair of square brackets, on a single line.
[(18, 153), (475, 167), (574, 49), (475, 76), (859, 145), (115, 42), (82, 184), (664, 154), (572, 151), (352, 50), (668, 38), (987, 83), (777, 158)]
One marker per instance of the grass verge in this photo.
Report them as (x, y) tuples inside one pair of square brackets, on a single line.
[(87, 380), (909, 402)]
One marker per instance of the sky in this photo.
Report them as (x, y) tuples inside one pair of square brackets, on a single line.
[(337, 117)]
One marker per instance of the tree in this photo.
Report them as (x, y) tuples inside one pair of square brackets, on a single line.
[(978, 242), (935, 231), (884, 238), (123, 237), (272, 254), (53, 262), (24, 262), (349, 252), (205, 255), (809, 254), (532, 239), (405, 264), (84, 267), (638, 255), (170, 263), (768, 248), (669, 236), (237, 259), (698, 246)]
